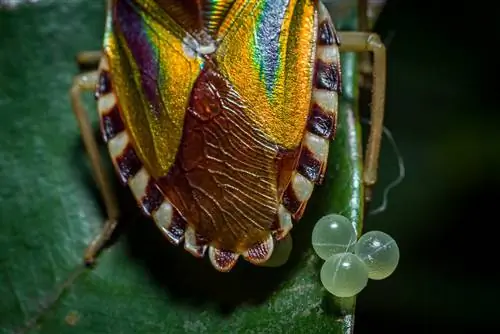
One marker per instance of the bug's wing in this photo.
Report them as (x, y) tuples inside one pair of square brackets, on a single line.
[(268, 56), (152, 76)]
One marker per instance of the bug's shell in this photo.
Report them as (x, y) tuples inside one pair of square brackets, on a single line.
[(219, 117)]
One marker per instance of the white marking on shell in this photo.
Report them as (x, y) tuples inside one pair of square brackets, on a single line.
[(285, 222), (117, 144), (189, 45), (163, 215), (138, 183), (192, 48), (302, 187), (191, 244), (328, 53), (207, 49), (327, 100), (163, 218), (317, 145), (106, 102)]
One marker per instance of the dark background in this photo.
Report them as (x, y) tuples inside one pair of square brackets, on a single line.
[(442, 108)]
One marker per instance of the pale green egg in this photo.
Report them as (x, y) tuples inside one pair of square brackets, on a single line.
[(379, 252), (281, 253), (333, 234), (344, 275)]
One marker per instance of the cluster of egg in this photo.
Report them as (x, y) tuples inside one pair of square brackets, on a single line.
[(349, 262)]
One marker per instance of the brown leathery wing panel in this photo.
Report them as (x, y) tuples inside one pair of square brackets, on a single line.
[(223, 180)]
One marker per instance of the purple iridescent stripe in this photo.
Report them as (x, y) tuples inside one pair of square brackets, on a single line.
[(131, 25)]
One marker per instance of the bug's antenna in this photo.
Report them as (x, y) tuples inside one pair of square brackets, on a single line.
[(402, 171), (49, 301)]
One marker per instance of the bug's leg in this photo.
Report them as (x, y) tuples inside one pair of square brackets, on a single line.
[(89, 59), (82, 83), (370, 42), (365, 64)]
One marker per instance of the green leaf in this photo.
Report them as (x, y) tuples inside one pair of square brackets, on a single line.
[(51, 209)]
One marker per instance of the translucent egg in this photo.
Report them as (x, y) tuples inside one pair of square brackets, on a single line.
[(344, 275), (379, 252), (281, 253), (333, 234)]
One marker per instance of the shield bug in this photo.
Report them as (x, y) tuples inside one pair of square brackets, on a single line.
[(218, 116)]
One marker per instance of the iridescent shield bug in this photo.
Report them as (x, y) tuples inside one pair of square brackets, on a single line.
[(218, 116)]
